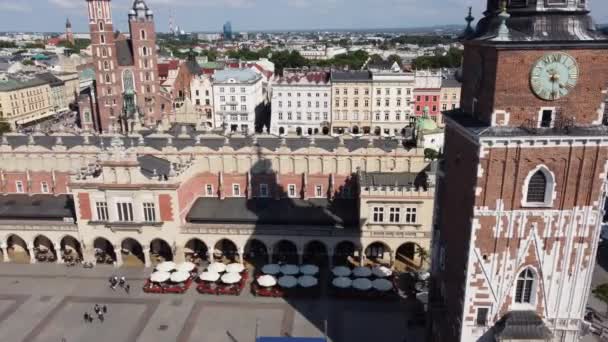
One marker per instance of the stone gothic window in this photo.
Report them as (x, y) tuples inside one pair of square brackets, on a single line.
[(127, 81), (537, 188), (524, 289)]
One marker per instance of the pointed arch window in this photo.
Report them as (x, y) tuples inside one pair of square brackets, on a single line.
[(538, 188), (524, 289)]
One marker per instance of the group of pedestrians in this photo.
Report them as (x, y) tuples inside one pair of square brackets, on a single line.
[(122, 282), (100, 311)]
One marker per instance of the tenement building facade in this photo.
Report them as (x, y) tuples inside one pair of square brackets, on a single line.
[(172, 193), (521, 190)]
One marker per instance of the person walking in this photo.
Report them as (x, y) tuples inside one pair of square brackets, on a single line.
[(86, 317), (127, 288), (101, 318), (104, 308)]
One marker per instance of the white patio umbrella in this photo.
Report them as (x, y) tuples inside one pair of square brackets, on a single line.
[(271, 269), (362, 272), (166, 266), (179, 276), (216, 267), (267, 280), (288, 281), (309, 269), (235, 268), (362, 284), (160, 276), (381, 271), (231, 278), (341, 271), (342, 282), (209, 276), (186, 266), (307, 281), (290, 269), (382, 285)]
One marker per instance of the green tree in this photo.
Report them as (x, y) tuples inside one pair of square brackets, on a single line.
[(7, 45), (430, 154), (285, 59), (601, 292), (375, 59), (395, 58)]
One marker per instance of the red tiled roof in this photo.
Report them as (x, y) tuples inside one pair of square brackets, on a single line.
[(311, 77), (163, 68)]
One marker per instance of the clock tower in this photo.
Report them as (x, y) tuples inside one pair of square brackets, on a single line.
[(523, 181)]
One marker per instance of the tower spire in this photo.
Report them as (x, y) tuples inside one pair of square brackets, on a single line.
[(468, 31)]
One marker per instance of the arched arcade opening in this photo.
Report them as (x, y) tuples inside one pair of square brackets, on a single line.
[(104, 251), (44, 251), (132, 253)]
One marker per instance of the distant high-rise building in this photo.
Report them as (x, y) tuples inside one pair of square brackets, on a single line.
[(227, 31)]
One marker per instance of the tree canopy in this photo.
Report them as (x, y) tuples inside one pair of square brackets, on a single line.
[(451, 60), (79, 44)]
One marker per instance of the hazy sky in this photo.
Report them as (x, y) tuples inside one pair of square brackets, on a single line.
[(209, 15)]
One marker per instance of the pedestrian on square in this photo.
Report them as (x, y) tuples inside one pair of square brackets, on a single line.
[(101, 318), (86, 317), (96, 308), (104, 308), (127, 288)]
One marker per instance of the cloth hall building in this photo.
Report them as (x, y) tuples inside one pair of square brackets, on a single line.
[(128, 199)]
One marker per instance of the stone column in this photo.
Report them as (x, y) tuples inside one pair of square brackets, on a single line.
[(300, 258), (362, 257), (4, 250), (146, 253), (179, 255), (330, 258), (241, 252), (88, 255), (118, 254), (269, 251), (57, 246), (32, 256)]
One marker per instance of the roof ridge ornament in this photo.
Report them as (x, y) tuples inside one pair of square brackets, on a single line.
[(503, 30)]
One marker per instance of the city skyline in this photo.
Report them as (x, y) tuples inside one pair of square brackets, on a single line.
[(249, 15)]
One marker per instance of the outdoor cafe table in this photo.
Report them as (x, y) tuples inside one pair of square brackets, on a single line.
[(341, 271), (271, 269)]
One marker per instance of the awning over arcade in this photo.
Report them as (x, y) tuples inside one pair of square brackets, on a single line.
[(37, 207), (268, 211)]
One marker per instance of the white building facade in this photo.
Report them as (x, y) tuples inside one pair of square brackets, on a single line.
[(392, 101), (201, 89), (301, 104), (237, 98)]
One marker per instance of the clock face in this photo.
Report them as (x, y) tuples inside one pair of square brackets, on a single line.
[(553, 76)]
